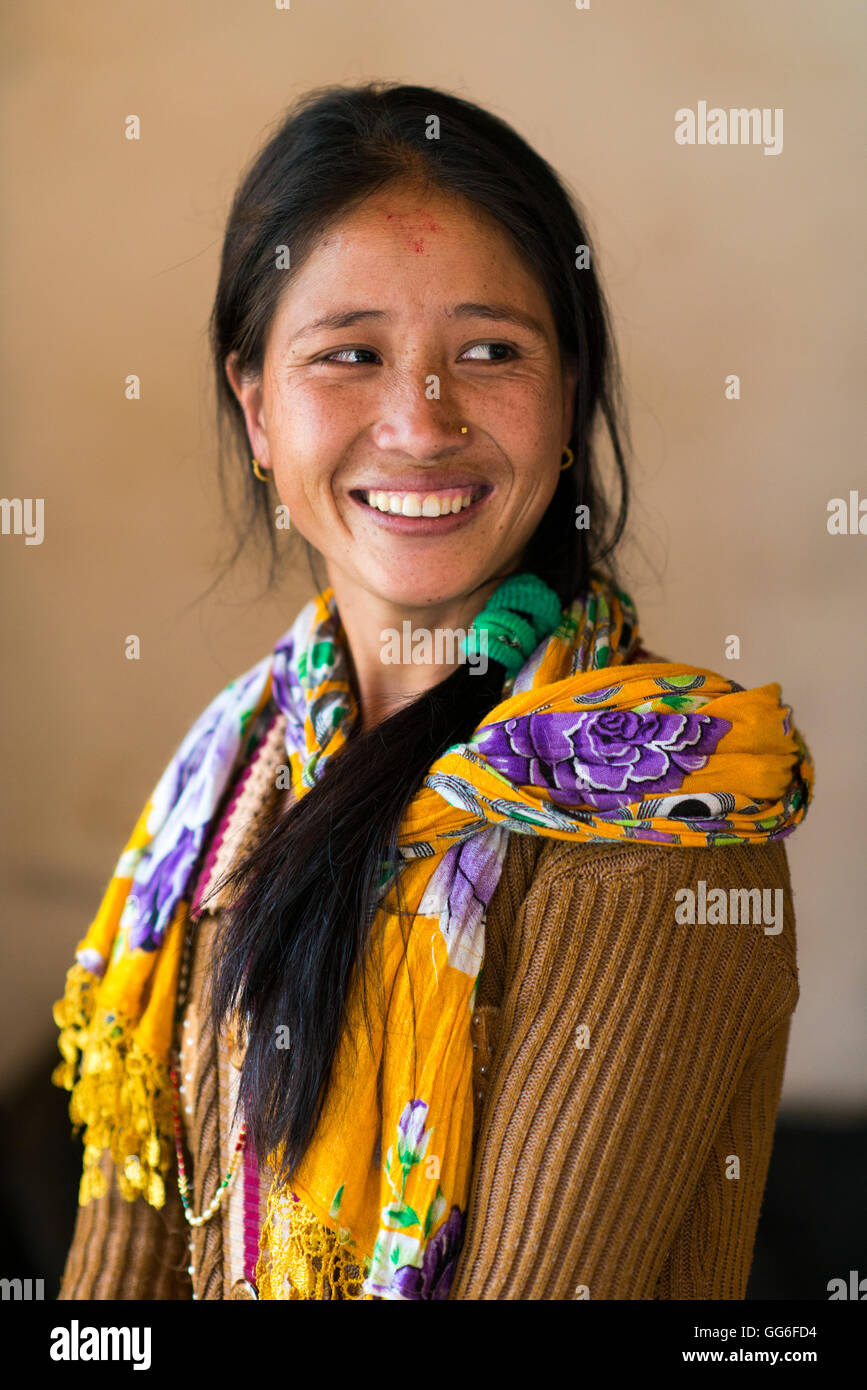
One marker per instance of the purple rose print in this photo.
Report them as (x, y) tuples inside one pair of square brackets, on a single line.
[(458, 893), (434, 1279), (190, 760), (156, 895), (411, 1135), (603, 758)]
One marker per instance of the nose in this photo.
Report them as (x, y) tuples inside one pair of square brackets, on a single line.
[(419, 417)]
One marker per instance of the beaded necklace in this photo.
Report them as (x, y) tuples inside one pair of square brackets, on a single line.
[(177, 1089)]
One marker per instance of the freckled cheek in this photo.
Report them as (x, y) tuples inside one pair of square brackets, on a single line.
[(308, 446), (305, 418), (527, 439), (310, 433)]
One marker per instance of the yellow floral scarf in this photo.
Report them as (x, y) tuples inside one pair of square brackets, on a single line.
[(592, 742)]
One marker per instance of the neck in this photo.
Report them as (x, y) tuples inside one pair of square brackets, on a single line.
[(382, 647)]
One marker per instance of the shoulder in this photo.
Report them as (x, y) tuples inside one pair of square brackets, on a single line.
[(765, 864), (558, 896)]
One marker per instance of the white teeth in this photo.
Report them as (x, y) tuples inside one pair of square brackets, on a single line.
[(417, 503)]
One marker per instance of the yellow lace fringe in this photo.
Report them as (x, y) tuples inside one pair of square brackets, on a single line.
[(300, 1258), (122, 1098)]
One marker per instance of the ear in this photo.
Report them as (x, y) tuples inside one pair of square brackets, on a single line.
[(570, 381), (248, 390)]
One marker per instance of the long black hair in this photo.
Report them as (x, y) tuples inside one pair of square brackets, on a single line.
[(299, 928)]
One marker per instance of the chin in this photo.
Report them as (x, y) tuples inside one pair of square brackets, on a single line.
[(423, 592)]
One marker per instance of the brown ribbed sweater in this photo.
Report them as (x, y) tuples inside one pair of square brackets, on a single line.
[(604, 1171)]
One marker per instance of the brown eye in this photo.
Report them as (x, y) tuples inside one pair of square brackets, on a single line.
[(497, 347), (343, 352)]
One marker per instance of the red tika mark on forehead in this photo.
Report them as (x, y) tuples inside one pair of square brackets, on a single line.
[(412, 223)]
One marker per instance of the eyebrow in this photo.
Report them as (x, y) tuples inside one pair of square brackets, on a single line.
[(494, 313), (498, 313)]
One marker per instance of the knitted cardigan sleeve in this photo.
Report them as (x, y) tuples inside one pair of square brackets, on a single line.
[(127, 1250), (627, 1124)]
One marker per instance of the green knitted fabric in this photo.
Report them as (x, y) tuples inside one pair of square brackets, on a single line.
[(515, 618)]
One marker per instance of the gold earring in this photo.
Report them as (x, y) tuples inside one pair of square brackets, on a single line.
[(569, 458), (263, 477)]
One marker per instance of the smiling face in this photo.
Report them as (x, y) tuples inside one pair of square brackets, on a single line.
[(412, 318)]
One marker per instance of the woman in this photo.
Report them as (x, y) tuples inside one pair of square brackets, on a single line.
[(422, 974)]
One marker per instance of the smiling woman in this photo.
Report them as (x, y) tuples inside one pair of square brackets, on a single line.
[(388, 997), (337, 418)]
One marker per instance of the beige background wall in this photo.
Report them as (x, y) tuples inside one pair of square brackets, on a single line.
[(715, 259)]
